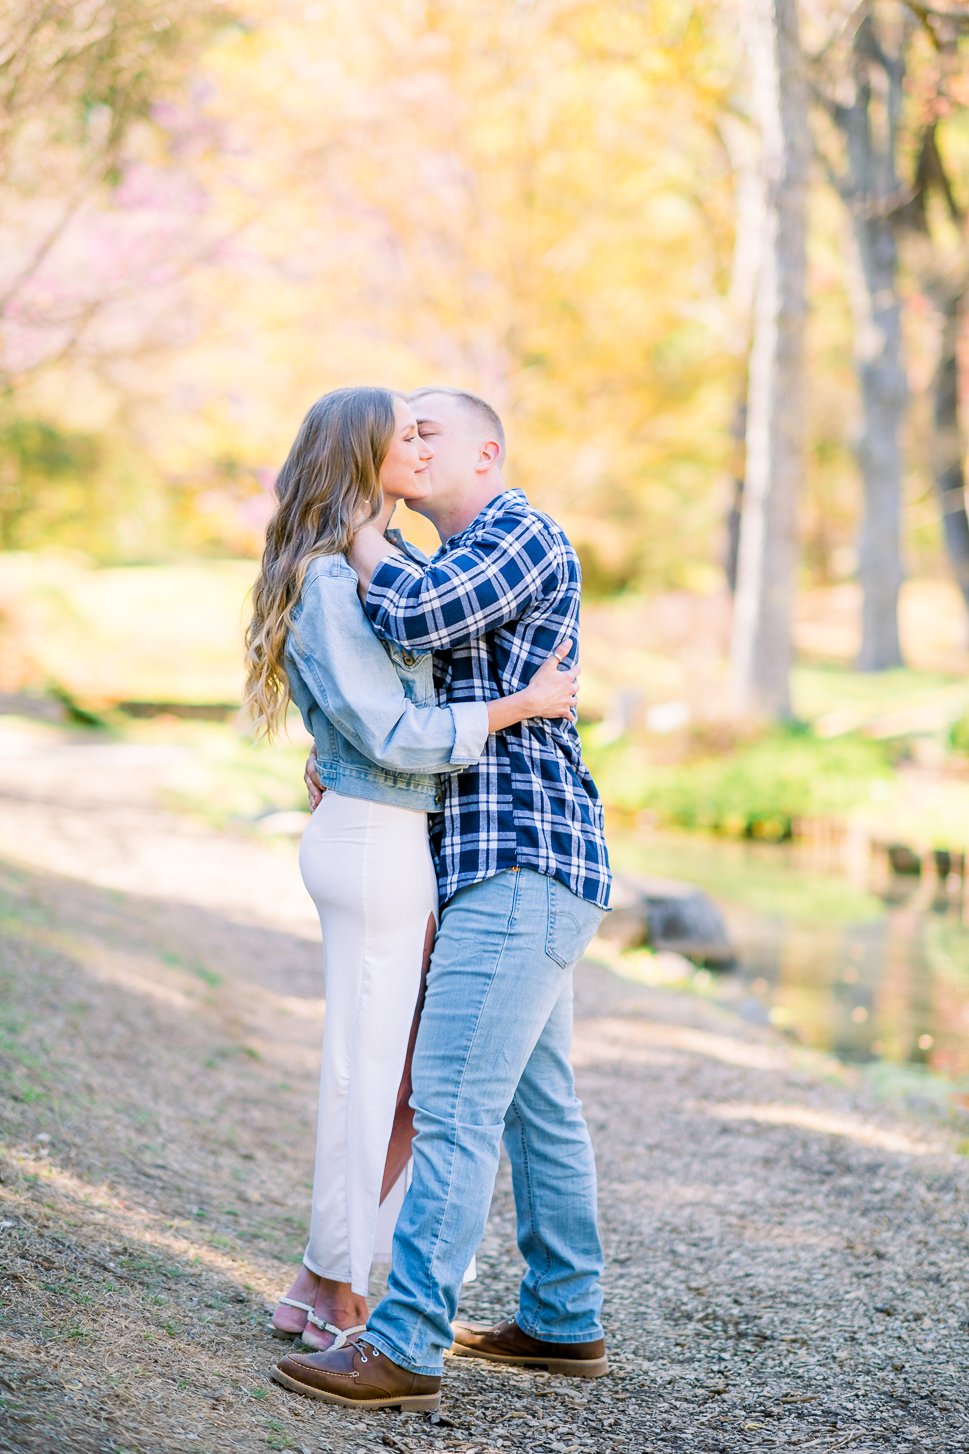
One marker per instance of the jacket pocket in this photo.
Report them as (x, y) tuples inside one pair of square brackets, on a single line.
[(416, 672)]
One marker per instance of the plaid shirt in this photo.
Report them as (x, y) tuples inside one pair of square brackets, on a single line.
[(491, 605)]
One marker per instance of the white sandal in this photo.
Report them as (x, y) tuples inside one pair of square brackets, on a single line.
[(289, 1302), (341, 1338)]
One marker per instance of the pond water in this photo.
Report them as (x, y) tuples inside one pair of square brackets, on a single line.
[(869, 971)]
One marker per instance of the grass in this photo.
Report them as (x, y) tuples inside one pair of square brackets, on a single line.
[(752, 789), (822, 689), (208, 976), (773, 888), (168, 633)]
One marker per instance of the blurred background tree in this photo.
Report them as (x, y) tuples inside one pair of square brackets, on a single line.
[(775, 442), (215, 213)]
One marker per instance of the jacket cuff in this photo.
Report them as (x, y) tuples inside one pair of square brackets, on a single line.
[(470, 732)]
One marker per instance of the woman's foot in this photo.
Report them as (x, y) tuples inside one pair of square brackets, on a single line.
[(338, 1306), (287, 1319)]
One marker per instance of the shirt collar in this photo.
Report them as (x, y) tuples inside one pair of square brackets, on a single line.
[(506, 499)]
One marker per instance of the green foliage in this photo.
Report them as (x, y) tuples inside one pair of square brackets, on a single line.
[(756, 790), (604, 577), (46, 477), (958, 737)]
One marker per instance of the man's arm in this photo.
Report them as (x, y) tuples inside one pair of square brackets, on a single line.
[(469, 591)]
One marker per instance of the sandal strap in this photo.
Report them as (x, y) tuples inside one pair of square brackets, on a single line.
[(340, 1335), (290, 1302), (343, 1335)]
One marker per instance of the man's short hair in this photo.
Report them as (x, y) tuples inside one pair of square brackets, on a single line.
[(480, 407)]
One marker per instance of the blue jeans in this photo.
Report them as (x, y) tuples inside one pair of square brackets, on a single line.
[(492, 1061)]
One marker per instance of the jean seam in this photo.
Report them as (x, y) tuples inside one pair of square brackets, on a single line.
[(460, 1086), (550, 922), (526, 1164)]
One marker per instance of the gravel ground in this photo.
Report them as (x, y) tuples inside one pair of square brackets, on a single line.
[(786, 1259)]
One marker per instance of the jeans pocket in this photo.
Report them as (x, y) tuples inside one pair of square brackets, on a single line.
[(571, 924)]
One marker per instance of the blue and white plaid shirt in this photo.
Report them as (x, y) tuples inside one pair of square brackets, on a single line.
[(492, 605)]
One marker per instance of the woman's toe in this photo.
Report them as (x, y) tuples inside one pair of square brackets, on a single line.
[(286, 1320)]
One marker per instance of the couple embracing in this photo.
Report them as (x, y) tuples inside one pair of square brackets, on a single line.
[(456, 858)]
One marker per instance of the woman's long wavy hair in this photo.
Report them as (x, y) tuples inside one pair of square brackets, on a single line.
[(331, 477)]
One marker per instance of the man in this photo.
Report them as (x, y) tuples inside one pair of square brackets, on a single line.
[(524, 880)]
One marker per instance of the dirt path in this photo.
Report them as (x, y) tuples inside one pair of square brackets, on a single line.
[(787, 1263)]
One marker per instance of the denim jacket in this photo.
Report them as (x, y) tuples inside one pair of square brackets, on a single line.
[(371, 709)]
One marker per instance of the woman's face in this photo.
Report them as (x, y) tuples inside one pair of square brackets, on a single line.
[(403, 474)]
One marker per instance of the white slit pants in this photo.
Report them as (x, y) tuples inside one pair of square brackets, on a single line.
[(368, 869)]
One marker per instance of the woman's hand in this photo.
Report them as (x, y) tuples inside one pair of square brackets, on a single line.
[(311, 777), (553, 691)]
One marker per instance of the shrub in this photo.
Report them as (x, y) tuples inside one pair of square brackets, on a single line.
[(754, 791)]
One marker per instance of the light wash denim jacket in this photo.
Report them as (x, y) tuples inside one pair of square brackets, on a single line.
[(370, 708)]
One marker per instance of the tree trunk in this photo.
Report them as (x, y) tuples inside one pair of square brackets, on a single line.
[(767, 562), (735, 510), (939, 257), (739, 133), (872, 193), (948, 441), (878, 349)]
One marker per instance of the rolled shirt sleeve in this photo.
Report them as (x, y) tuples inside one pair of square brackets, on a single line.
[(470, 732)]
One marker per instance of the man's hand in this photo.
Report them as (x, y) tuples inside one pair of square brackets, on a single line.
[(311, 778), (369, 548)]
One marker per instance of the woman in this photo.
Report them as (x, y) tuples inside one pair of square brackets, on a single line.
[(381, 741)]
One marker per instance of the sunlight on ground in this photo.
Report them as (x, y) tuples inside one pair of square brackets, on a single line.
[(610, 1039), (129, 1221), (827, 1123)]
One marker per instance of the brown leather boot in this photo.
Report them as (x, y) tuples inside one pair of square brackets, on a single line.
[(506, 1343), (358, 1375)]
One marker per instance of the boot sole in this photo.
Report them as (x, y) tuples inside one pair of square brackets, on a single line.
[(419, 1401), (569, 1367)]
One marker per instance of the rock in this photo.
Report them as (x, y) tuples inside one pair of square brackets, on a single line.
[(903, 859), (665, 914)]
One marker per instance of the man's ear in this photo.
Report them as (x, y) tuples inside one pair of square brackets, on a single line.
[(487, 456)]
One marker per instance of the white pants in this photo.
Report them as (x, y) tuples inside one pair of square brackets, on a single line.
[(368, 869)]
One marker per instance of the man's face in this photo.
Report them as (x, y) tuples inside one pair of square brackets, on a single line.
[(450, 430)]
